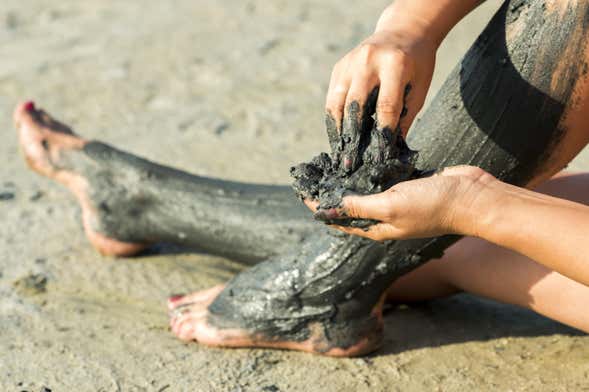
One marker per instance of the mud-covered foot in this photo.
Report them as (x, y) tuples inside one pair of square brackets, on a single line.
[(45, 143), (191, 320)]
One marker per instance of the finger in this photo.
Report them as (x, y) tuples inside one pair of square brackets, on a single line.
[(332, 127), (339, 85), (390, 99), (413, 102), (313, 205), (356, 117), (377, 207), (376, 232)]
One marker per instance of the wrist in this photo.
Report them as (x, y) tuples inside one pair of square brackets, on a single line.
[(433, 20), (398, 17), (478, 209)]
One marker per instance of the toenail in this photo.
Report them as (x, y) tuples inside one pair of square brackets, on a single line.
[(176, 297), (181, 310), (29, 106)]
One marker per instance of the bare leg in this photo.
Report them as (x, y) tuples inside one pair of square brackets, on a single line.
[(479, 267), (128, 202), (515, 107), (511, 108)]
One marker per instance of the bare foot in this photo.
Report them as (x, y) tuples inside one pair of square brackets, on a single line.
[(45, 143), (190, 320)]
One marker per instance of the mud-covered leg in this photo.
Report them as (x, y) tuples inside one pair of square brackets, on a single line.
[(514, 106), (128, 202)]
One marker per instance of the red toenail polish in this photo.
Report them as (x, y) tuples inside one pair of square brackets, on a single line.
[(29, 106), (175, 298)]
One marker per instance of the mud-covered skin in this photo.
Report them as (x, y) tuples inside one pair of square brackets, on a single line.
[(281, 297), (139, 201), (499, 109), (384, 160), (364, 160)]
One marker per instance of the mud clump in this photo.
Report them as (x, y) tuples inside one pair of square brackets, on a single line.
[(364, 160)]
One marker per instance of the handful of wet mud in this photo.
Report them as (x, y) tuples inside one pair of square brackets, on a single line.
[(364, 160)]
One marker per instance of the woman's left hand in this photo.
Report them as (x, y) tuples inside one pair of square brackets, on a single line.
[(445, 203)]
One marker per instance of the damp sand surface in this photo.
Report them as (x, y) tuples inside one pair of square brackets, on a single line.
[(231, 89)]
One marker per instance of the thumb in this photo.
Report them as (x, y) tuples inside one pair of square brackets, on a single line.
[(378, 206)]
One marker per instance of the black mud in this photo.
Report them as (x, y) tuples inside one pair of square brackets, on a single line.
[(381, 159), (139, 201), (499, 110), (364, 159)]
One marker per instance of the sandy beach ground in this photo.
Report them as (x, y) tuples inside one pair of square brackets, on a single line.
[(231, 89)]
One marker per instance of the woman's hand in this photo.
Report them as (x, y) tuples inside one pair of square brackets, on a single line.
[(399, 61), (445, 203)]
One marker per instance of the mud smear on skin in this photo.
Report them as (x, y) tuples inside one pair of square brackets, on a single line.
[(120, 342), (335, 281), (140, 201), (381, 159), (364, 160)]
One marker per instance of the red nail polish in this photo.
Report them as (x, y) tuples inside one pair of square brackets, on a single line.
[(347, 163), (29, 106), (175, 298)]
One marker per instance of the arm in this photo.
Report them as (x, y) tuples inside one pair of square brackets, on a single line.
[(398, 58), (468, 201), (552, 231), (434, 18)]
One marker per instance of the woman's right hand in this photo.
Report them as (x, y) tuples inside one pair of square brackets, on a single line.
[(399, 61)]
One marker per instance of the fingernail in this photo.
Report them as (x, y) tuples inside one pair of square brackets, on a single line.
[(347, 163), (328, 214), (29, 106)]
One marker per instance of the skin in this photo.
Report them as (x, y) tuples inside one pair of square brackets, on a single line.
[(191, 314), (480, 267), (466, 200), (473, 265), (398, 59), (43, 141)]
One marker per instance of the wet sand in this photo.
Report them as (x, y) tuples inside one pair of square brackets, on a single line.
[(231, 89)]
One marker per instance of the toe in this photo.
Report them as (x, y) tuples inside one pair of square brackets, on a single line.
[(184, 327), (184, 330), (173, 300), (24, 113), (194, 326), (203, 296), (41, 142), (190, 309)]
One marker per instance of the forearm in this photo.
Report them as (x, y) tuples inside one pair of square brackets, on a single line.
[(433, 18), (554, 232)]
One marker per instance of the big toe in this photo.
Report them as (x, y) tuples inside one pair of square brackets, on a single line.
[(23, 114)]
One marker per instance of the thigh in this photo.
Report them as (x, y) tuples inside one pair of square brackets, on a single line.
[(515, 105)]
